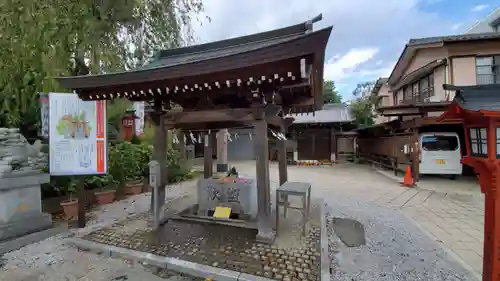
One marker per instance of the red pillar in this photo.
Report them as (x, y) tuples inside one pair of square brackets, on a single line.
[(489, 180)]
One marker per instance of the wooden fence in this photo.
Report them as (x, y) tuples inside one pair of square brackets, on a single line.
[(386, 152)]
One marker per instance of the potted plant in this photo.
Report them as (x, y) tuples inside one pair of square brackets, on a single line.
[(106, 188), (134, 184), (70, 206)]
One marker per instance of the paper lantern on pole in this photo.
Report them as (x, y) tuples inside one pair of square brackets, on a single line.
[(127, 128)]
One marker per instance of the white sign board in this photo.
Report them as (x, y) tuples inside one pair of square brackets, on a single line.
[(139, 122), (77, 135)]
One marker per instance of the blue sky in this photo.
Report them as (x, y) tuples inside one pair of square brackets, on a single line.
[(368, 35)]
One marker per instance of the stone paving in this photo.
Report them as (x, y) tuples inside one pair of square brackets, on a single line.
[(453, 220), (396, 249), (54, 260), (292, 257), (451, 212)]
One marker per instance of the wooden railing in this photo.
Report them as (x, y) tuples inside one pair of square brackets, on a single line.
[(486, 79), (384, 161)]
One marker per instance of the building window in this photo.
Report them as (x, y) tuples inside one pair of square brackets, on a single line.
[(478, 142), (419, 91), (440, 143), (395, 98), (427, 86), (488, 70), (406, 93), (414, 88)]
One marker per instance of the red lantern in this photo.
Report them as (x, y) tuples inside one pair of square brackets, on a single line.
[(128, 125)]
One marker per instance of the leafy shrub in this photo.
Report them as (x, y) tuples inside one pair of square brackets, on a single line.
[(126, 162), (103, 182)]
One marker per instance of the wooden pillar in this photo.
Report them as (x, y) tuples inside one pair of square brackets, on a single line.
[(296, 148), (222, 151), (265, 232), (207, 156), (491, 246), (282, 161), (415, 156), (335, 156), (181, 146), (160, 155)]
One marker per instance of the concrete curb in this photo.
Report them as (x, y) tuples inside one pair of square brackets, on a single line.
[(325, 256), (17, 243), (174, 264)]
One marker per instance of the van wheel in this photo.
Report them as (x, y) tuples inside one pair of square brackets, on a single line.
[(452, 177)]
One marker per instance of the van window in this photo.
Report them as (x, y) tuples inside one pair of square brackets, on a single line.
[(440, 143)]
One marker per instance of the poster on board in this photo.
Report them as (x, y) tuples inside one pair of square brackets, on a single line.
[(77, 135), (139, 122)]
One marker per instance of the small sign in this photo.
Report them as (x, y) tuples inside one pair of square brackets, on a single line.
[(222, 212), (154, 172)]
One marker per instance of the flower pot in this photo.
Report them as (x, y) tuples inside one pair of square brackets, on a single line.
[(147, 188), (105, 197), (134, 187), (70, 208)]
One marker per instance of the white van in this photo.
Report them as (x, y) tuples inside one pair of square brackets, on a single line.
[(440, 154)]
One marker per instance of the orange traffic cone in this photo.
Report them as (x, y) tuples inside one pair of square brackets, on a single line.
[(408, 179)]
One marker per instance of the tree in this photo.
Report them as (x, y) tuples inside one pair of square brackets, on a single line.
[(49, 38), (330, 94), (362, 106)]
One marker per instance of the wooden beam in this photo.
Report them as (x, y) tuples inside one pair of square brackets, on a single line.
[(205, 116), (211, 125)]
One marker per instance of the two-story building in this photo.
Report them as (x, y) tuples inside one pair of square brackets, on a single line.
[(414, 88), (412, 97)]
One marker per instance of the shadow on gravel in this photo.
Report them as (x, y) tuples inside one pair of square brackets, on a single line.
[(350, 232)]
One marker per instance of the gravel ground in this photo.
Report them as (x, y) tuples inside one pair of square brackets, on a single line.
[(52, 260), (395, 248)]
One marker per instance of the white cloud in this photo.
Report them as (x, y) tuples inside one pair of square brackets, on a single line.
[(479, 8), (455, 27), (356, 23), (337, 70), (377, 72)]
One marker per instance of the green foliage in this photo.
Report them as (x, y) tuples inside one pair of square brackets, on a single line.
[(50, 38), (126, 162), (362, 107), (104, 182), (330, 93), (135, 139)]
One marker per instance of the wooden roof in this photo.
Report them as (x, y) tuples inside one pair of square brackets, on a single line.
[(473, 101), (287, 60)]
